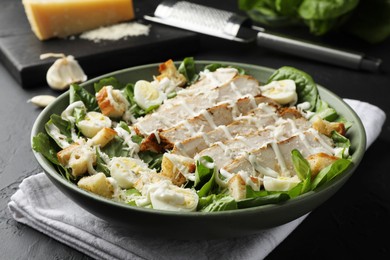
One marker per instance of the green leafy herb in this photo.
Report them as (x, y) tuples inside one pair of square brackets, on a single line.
[(110, 81), (41, 143), (78, 93), (187, 68), (366, 19), (60, 130), (220, 202), (301, 165), (214, 66), (306, 87), (153, 159), (205, 175), (259, 201), (329, 172)]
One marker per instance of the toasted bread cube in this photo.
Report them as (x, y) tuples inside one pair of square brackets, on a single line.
[(326, 127), (176, 167), (104, 136), (168, 70), (148, 178), (63, 156), (237, 187), (79, 158), (111, 102), (319, 161), (98, 184)]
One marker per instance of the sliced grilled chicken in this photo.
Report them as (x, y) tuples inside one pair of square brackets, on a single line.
[(275, 157), (208, 120), (264, 116), (224, 152), (194, 100)]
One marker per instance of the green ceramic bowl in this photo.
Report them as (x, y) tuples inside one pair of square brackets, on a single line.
[(201, 225)]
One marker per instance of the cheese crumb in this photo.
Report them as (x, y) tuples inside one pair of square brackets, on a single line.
[(116, 32)]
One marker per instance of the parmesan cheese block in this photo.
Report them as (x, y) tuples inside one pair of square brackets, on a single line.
[(62, 18)]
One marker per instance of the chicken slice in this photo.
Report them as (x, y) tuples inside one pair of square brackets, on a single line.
[(185, 106), (275, 157)]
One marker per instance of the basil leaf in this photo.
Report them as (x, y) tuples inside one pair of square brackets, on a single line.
[(259, 201), (77, 93), (115, 148), (287, 7), (325, 9), (111, 81), (329, 172), (187, 68), (324, 111), (220, 202), (41, 143), (214, 66), (59, 130), (205, 176), (153, 159), (301, 165), (101, 165)]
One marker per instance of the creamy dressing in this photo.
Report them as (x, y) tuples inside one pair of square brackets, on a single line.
[(322, 141), (116, 98), (248, 180), (55, 132), (265, 171), (280, 159), (209, 118), (126, 136), (180, 163), (226, 132)]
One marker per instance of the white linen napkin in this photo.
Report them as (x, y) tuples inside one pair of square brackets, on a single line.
[(39, 204)]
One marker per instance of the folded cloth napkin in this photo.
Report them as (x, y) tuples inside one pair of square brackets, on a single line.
[(39, 204)]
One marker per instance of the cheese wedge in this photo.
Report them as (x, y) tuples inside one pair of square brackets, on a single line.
[(60, 18)]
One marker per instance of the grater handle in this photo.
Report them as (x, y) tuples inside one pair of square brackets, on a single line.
[(317, 52)]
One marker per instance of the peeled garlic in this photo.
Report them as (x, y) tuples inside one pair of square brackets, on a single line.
[(65, 71), (42, 100)]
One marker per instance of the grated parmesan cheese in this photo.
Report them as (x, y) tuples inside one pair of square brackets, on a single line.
[(116, 32)]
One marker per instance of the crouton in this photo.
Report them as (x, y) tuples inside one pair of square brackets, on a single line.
[(168, 70), (79, 158), (104, 136), (237, 187), (111, 102), (326, 127), (319, 161), (98, 184), (177, 167), (63, 156)]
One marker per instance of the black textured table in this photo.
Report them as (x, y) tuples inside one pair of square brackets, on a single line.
[(353, 224)]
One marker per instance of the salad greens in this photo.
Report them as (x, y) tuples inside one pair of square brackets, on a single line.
[(212, 196), (367, 19)]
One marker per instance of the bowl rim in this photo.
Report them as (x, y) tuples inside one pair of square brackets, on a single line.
[(48, 168)]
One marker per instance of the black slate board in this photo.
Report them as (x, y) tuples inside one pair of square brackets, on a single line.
[(20, 48)]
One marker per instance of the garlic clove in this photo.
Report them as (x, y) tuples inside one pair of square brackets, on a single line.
[(42, 100), (64, 71)]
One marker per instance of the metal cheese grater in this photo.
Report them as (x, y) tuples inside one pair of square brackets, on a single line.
[(228, 25)]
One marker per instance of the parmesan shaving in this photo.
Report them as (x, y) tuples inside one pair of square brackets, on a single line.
[(116, 32)]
